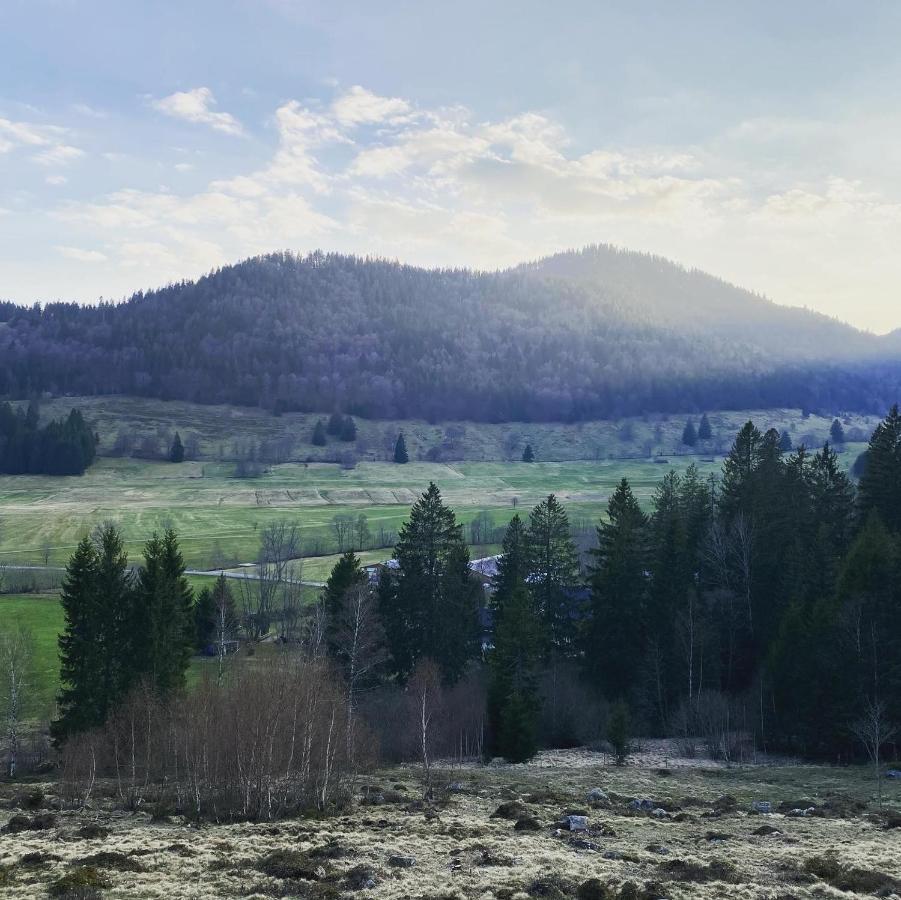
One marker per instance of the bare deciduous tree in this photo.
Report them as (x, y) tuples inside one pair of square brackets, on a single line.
[(343, 527), (426, 697), (874, 730), (361, 531), (16, 652)]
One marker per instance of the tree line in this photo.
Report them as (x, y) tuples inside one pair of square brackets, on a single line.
[(61, 447), (761, 606), (381, 340)]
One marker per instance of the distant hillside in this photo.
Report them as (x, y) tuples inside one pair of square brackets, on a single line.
[(596, 334)]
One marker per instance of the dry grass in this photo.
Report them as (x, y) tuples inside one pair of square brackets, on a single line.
[(466, 844)]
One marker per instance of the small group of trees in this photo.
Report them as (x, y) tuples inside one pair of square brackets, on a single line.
[(61, 447), (122, 628), (692, 436)]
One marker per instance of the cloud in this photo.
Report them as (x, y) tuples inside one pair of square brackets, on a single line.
[(60, 155), (80, 255), (359, 106), (195, 106), (56, 179)]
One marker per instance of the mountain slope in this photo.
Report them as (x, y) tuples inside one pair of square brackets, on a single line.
[(597, 334)]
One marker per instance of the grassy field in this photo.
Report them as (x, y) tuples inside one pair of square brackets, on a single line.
[(219, 518), (220, 430)]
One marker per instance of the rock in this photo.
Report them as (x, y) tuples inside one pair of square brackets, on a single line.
[(766, 830), (893, 773), (643, 805), (726, 803), (527, 823), (801, 813), (597, 795), (764, 807), (657, 848), (612, 854), (456, 787), (581, 844), (659, 813), (575, 823), (401, 862), (717, 837)]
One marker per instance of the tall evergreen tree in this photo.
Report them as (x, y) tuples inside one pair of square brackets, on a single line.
[(319, 438), (348, 431), (513, 701), (162, 621), (346, 574), (94, 647), (705, 432), (512, 567), (785, 442), (689, 434), (431, 608), (177, 450), (616, 631), (400, 449), (553, 565), (335, 423), (528, 455), (880, 483), (836, 432)]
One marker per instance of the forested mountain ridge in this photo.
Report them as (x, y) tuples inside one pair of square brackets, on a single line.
[(596, 334)]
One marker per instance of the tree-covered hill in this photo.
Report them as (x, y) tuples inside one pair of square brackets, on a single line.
[(595, 334)]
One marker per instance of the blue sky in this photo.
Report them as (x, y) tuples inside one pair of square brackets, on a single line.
[(142, 142)]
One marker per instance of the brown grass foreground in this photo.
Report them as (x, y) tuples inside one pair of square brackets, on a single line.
[(698, 840)]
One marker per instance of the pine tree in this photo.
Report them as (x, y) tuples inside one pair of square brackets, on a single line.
[(616, 631), (705, 432), (346, 574), (430, 608), (335, 422), (348, 431), (785, 442), (94, 647), (528, 455), (319, 438), (177, 450), (880, 483), (738, 471), (162, 620), (836, 432), (689, 434), (400, 449), (204, 619), (553, 565), (513, 703), (512, 567)]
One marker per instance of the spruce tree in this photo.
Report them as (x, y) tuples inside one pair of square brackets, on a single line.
[(95, 659), (348, 430), (836, 432), (513, 702), (880, 483), (705, 432), (335, 422), (319, 438), (177, 450), (400, 449), (689, 434), (553, 565), (346, 574), (785, 442), (162, 620), (430, 608), (204, 619), (616, 630), (528, 455), (512, 567)]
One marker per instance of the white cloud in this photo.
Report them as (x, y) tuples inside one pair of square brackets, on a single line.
[(56, 179), (195, 106), (60, 155), (359, 106), (80, 255)]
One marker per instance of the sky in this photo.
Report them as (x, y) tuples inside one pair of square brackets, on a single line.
[(146, 142)]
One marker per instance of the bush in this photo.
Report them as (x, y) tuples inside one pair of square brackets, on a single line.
[(618, 731), (83, 883)]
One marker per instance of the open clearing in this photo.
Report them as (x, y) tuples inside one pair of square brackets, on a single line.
[(707, 845)]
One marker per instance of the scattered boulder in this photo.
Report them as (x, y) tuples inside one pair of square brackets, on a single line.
[(644, 805), (658, 849), (766, 831), (575, 823), (582, 844), (659, 813), (401, 862), (762, 807), (716, 837), (597, 795), (801, 813), (893, 773)]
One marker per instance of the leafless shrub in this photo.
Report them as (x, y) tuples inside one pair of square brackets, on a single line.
[(266, 743)]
